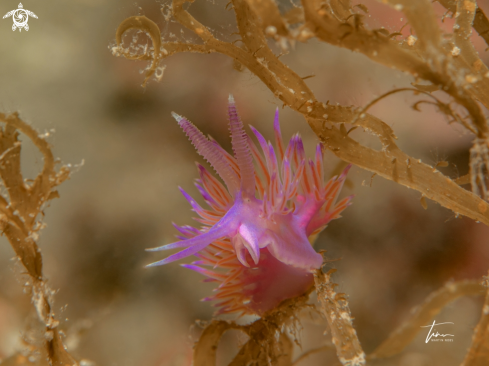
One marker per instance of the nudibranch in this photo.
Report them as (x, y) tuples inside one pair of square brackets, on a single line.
[(254, 239)]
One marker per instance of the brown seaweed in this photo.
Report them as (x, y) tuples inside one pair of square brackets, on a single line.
[(449, 63), (21, 208)]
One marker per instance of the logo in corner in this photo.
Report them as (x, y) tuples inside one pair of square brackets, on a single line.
[(433, 333), (20, 17)]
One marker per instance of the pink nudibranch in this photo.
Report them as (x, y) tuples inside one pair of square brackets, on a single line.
[(254, 239)]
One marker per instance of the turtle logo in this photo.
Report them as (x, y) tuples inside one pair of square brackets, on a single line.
[(20, 17)]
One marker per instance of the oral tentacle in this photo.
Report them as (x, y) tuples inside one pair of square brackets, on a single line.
[(251, 241), (182, 254), (240, 250), (200, 241)]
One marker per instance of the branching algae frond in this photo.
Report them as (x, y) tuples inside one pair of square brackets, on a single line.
[(430, 58), (21, 205), (448, 62)]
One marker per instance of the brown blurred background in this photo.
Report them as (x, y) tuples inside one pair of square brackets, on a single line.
[(61, 77)]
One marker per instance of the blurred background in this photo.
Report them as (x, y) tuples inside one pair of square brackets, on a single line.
[(129, 156)]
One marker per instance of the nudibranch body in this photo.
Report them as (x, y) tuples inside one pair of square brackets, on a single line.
[(255, 236)]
